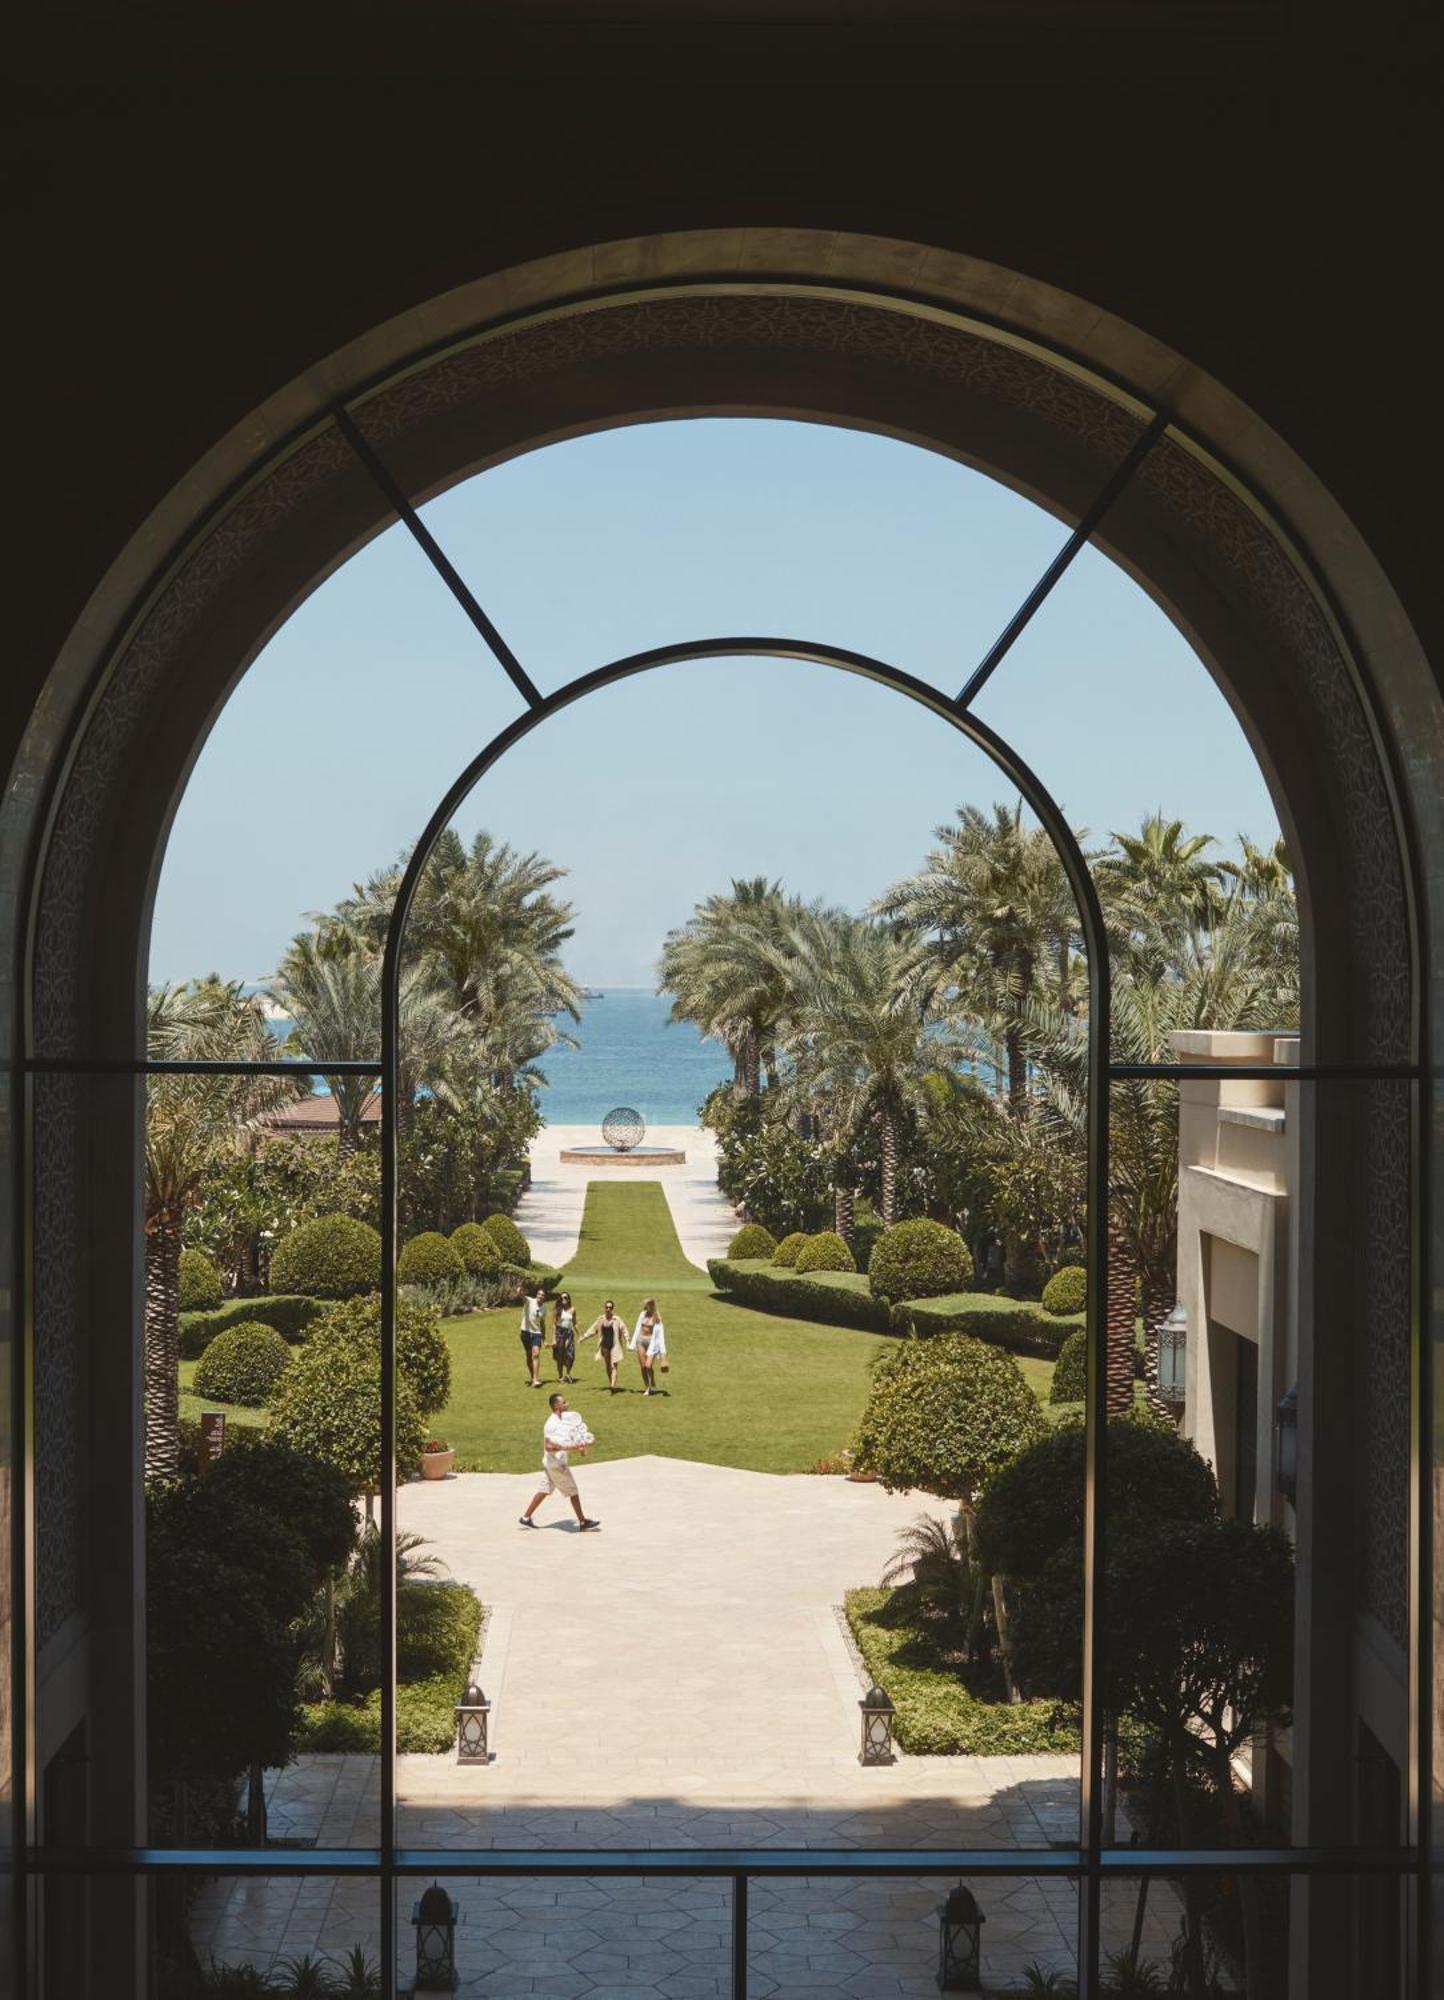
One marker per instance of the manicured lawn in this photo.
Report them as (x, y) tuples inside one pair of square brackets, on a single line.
[(747, 1389), (191, 1404)]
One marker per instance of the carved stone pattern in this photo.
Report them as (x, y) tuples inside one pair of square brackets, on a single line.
[(140, 676), (1239, 543), (57, 1354), (807, 326), (1384, 1206)]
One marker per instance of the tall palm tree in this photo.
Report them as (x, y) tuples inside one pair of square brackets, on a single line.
[(998, 921), (192, 1123), (861, 1035), (1157, 887), (726, 971), (331, 989)]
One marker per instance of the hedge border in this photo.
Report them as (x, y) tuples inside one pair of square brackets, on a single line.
[(290, 1313), (1021, 1325), (837, 1298)]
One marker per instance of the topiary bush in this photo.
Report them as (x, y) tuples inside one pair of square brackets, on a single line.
[(476, 1247), (332, 1257), (423, 1358), (289, 1315), (508, 1239), (1070, 1377), (329, 1407), (752, 1240), (245, 1364), (1066, 1291), (429, 1259), (824, 1252), (1020, 1324), (946, 1415), (919, 1260), (786, 1254), (837, 1298), (200, 1282)]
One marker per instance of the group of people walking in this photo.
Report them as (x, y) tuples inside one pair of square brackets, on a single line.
[(647, 1340)]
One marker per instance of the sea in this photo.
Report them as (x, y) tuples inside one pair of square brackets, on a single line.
[(630, 1053)]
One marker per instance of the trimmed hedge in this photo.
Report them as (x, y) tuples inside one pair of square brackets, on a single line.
[(1070, 1377), (244, 1364), (786, 1254), (825, 1251), (201, 1289), (919, 1260), (938, 1714), (288, 1313), (331, 1257), (837, 1298), (1066, 1291), (508, 1239), (1019, 1324), (429, 1259), (476, 1247), (752, 1240)]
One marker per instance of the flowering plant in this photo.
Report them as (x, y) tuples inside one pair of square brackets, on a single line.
[(436, 1444)]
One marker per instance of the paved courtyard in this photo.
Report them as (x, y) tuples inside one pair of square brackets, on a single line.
[(678, 1680)]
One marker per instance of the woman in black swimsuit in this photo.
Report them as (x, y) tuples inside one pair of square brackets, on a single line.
[(610, 1332)]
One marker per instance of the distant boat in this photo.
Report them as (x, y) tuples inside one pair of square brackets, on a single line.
[(591, 993)]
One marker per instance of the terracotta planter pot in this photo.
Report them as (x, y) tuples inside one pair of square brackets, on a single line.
[(861, 1478), (437, 1464)]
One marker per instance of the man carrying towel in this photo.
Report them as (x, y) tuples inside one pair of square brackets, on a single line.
[(558, 1435)]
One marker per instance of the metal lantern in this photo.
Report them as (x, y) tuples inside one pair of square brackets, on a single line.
[(1173, 1357), (435, 1920), (472, 1714), (960, 1942), (877, 1717), (1286, 1445)]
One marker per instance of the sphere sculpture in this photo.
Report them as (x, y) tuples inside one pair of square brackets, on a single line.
[(623, 1129)]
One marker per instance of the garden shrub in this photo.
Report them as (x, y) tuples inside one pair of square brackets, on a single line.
[(476, 1247), (256, 1470), (423, 1358), (329, 1407), (429, 1259), (1066, 1291), (437, 1629), (919, 1260), (786, 1253), (938, 1712), (200, 1282), (244, 1364), (836, 1298), (824, 1252), (288, 1313), (945, 1415), (508, 1239), (332, 1257), (1070, 1377), (1020, 1324), (752, 1240)]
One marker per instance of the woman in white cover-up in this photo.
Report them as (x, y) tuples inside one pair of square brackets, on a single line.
[(649, 1338)]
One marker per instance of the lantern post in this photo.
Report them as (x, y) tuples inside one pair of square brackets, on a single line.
[(434, 1919), (960, 1942), (877, 1714), (473, 1716)]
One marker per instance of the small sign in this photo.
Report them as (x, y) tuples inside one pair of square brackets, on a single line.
[(213, 1438)]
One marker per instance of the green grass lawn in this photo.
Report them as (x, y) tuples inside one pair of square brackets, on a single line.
[(191, 1404), (747, 1389)]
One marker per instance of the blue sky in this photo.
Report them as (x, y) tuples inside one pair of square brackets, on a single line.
[(332, 752)]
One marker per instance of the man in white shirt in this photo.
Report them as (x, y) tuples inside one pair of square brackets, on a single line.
[(559, 1438)]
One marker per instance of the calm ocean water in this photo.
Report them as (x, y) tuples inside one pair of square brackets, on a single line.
[(631, 1054)]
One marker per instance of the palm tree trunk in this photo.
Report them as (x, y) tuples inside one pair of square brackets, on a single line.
[(1017, 1069), (162, 1345), (844, 1212), (888, 1120), (1122, 1321), (751, 1060)]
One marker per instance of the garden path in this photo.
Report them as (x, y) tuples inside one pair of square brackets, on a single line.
[(550, 1212)]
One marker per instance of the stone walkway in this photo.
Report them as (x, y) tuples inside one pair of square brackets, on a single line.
[(678, 1680), (550, 1212)]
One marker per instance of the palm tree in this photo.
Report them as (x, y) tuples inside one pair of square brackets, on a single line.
[(1156, 887), (861, 1035), (999, 922), (192, 1123), (331, 989), (726, 971)]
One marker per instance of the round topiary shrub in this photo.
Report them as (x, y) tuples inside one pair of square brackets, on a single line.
[(946, 1415), (429, 1259), (508, 1239), (423, 1359), (752, 1240), (245, 1364), (1066, 1291), (919, 1260), (476, 1247), (332, 1257), (825, 1252), (788, 1250), (1070, 1373), (200, 1282)]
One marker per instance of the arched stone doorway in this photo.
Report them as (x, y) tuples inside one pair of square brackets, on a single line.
[(828, 329)]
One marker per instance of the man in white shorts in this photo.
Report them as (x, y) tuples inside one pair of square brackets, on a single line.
[(558, 1435)]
